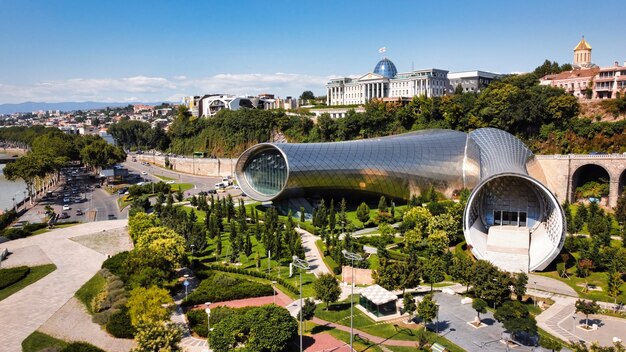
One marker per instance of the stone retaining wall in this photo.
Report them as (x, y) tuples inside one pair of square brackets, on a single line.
[(193, 166)]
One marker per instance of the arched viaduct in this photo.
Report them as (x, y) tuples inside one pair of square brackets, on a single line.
[(563, 173)]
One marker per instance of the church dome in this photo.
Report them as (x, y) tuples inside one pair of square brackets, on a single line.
[(386, 68)]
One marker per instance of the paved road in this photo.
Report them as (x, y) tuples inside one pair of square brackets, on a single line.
[(23, 312), (201, 183)]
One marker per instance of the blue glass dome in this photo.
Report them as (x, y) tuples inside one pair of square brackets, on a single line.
[(386, 68)]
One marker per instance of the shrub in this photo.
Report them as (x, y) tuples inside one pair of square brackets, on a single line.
[(266, 328), (119, 324), (231, 269), (12, 275), (117, 265), (14, 234), (198, 321), (7, 218), (222, 287), (81, 347)]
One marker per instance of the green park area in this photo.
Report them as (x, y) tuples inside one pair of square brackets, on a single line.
[(14, 279)]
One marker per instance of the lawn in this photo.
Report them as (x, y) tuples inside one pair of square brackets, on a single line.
[(339, 313), (38, 341), (577, 283), (165, 178), (89, 290), (181, 187), (36, 273)]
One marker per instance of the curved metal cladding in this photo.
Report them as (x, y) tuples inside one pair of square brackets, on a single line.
[(508, 195), (395, 166)]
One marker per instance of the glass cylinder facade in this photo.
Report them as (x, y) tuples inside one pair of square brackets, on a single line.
[(267, 172)]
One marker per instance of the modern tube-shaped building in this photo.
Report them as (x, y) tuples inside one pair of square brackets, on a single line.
[(511, 218)]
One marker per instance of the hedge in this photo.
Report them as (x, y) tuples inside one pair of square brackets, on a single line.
[(198, 321), (7, 218), (12, 275), (221, 287), (260, 274), (119, 324), (81, 347)]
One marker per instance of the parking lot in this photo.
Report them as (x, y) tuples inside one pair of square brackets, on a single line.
[(78, 198)]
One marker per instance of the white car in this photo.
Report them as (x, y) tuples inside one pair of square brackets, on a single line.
[(170, 182), (66, 207), (144, 173)]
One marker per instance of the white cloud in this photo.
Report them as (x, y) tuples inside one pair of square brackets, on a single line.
[(154, 89)]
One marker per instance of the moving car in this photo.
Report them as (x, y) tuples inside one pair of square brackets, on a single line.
[(79, 212), (64, 215), (66, 207)]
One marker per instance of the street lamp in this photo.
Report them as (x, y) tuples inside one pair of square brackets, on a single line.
[(208, 318), (352, 257), (193, 246), (302, 265), (274, 287), (186, 284)]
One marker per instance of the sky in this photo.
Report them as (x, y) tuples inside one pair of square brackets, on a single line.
[(153, 50)]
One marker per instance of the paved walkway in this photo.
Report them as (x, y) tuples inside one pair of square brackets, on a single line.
[(23, 312), (548, 284), (312, 254), (73, 323)]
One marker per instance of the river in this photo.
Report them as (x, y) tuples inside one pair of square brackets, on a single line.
[(10, 189)]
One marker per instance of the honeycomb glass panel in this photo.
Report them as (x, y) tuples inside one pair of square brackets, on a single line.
[(266, 172)]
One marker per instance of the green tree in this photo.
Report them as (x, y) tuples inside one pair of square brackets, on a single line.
[(480, 306), (382, 204), (614, 283), (307, 95), (427, 309), (408, 301), (388, 275), (327, 289), (148, 305), (519, 284), (433, 271), (461, 270), (620, 209), (308, 309), (139, 223), (158, 336), (438, 242), (516, 318), (550, 344), (162, 243), (363, 213), (587, 307)]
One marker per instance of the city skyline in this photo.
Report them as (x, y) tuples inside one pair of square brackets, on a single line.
[(117, 52)]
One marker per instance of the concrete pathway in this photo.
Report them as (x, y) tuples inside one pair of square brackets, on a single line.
[(73, 323), (312, 254), (25, 311), (548, 284)]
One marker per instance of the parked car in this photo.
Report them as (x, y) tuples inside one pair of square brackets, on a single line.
[(66, 207), (79, 212), (122, 190), (112, 217), (170, 182), (64, 215)]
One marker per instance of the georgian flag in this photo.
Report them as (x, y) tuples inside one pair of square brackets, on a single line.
[(382, 50)]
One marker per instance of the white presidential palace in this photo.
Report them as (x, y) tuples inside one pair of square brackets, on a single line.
[(387, 84)]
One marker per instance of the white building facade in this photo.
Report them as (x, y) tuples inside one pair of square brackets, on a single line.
[(386, 82)]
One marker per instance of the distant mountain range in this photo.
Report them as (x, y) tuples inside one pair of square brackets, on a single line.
[(30, 106)]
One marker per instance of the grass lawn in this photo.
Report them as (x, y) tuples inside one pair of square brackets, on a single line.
[(181, 187), (38, 341), (328, 260), (165, 178), (89, 290), (36, 273), (578, 283), (339, 313), (359, 344)]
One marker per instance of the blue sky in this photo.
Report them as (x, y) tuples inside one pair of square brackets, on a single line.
[(156, 50)]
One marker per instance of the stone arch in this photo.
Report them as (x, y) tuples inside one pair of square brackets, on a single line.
[(621, 182), (587, 173)]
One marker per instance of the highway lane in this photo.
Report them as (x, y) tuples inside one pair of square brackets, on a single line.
[(201, 183)]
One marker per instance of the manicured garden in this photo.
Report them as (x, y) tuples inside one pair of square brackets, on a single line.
[(38, 341), (14, 279)]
